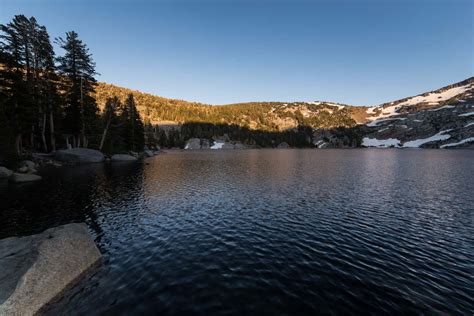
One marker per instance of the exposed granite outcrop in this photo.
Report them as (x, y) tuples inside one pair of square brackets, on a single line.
[(37, 269)]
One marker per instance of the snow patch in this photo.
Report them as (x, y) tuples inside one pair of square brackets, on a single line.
[(469, 124), (418, 142), (466, 140), (442, 108), (467, 114), (438, 96), (386, 112), (320, 143), (381, 143), (217, 145)]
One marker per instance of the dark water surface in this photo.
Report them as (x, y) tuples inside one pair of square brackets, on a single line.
[(297, 232)]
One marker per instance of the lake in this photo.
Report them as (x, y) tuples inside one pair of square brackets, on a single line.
[(291, 232)]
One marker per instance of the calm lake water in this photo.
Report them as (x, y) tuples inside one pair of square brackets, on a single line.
[(294, 232)]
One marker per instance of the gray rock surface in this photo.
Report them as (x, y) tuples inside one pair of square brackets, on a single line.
[(23, 169), (148, 153), (36, 270), (228, 145), (5, 172), (283, 145), (29, 164), (205, 144), (123, 157), (193, 143), (239, 145), (79, 155), (24, 177)]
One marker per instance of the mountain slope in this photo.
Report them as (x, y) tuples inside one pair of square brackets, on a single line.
[(437, 118), (266, 116), (443, 118)]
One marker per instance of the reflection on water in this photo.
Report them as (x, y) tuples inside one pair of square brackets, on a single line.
[(265, 231)]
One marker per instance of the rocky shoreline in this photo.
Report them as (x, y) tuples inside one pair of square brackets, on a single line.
[(28, 169)]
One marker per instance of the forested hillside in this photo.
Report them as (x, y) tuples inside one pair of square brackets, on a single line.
[(265, 116)]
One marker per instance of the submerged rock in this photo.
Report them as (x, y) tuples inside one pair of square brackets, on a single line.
[(24, 177), (79, 155), (5, 172), (123, 157), (36, 270)]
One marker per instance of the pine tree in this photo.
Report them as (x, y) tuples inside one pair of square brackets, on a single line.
[(132, 125), (78, 69), (46, 86), (110, 122), (28, 79), (17, 76)]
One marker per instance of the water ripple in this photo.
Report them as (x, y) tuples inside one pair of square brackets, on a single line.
[(288, 232)]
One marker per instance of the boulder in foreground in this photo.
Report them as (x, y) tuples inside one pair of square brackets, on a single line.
[(37, 269), (79, 155), (122, 158), (24, 177)]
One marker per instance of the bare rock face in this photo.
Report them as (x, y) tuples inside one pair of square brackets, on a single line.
[(36, 270), (24, 177), (79, 155), (123, 158)]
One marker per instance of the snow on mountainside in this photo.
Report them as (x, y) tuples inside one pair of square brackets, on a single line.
[(450, 94), (415, 121), (437, 119)]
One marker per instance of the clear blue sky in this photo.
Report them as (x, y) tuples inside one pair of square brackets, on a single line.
[(223, 51)]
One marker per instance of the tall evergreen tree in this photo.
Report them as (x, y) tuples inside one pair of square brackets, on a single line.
[(78, 68), (47, 97), (28, 78), (110, 123), (16, 45), (132, 129)]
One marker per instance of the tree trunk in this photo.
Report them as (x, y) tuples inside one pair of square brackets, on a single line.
[(18, 144), (104, 134), (52, 139), (32, 137), (43, 137)]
